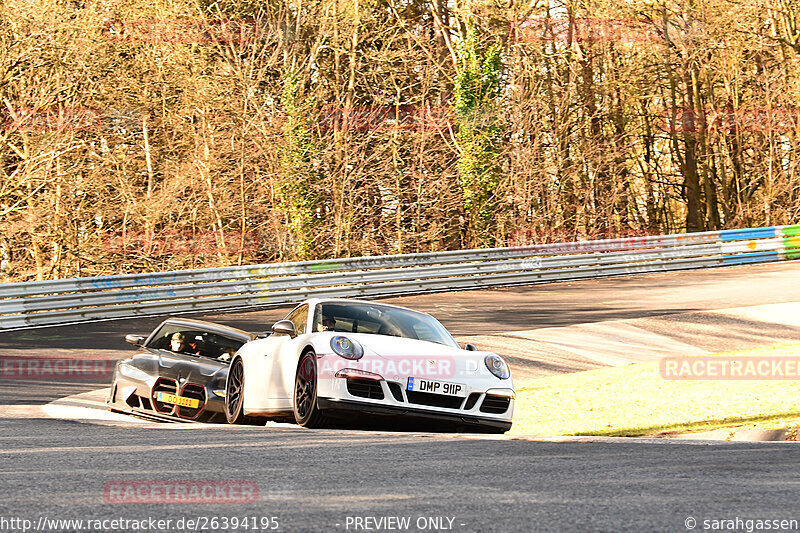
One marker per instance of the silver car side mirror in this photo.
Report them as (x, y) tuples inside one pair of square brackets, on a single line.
[(470, 348), (284, 327), (136, 340)]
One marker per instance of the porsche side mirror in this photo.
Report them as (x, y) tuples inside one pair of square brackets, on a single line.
[(284, 327), (264, 334), (136, 340), (470, 348)]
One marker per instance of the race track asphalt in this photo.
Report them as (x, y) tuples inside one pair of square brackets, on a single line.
[(315, 480)]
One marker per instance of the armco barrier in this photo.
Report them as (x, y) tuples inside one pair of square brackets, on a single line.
[(41, 303)]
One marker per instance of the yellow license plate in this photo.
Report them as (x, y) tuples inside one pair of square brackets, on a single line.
[(165, 397)]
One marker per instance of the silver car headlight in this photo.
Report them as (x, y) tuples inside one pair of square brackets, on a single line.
[(497, 366), (133, 373), (218, 387), (347, 348)]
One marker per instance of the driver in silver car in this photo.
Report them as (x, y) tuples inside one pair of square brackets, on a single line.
[(178, 344)]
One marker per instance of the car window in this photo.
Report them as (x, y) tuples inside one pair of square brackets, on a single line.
[(195, 341), (299, 317), (424, 332), (380, 320)]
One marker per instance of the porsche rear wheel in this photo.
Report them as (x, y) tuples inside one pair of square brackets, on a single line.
[(234, 396), (306, 412)]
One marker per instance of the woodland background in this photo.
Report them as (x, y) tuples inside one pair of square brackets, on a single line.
[(146, 135)]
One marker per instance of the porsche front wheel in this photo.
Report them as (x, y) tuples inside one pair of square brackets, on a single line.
[(234, 396), (306, 412)]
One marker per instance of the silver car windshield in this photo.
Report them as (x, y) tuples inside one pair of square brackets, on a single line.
[(379, 319), (188, 340)]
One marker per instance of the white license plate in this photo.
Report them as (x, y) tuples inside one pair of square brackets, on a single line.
[(437, 387)]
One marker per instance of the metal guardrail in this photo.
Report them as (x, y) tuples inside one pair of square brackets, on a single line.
[(40, 303)]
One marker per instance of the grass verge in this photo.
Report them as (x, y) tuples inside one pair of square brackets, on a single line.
[(634, 400)]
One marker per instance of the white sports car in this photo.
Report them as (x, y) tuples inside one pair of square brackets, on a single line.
[(348, 360)]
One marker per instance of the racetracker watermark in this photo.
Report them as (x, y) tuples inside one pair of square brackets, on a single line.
[(181, 242), (53, 368), (710, 120), (427, 367), (49, 119), (534, 236), (584, 30), (143, 523), (730, 368), (180, 492), (197, 31), (382, 118)]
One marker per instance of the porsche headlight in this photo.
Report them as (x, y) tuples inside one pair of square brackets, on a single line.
[(344, 347), (497, 366)]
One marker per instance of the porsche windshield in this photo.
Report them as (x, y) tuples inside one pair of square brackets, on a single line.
[(380, 320)]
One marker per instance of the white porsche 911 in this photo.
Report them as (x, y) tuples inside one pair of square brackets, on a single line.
[(347, 360)]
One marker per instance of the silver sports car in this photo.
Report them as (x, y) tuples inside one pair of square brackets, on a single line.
[(178, 372)]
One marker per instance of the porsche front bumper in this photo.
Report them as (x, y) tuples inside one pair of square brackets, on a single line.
[(487, 405), (412, 415)]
